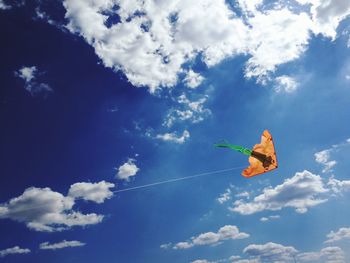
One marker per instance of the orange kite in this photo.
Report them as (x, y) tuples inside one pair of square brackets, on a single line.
[(262, 158)]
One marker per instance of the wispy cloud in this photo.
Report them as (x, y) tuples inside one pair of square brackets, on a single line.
[(342, 233), (202, 261), (42, 209), (211, 238), (14, 250), (224, 197), (192, 111), (32, 85), (60, 245), (127, 170), (323, 157), (269, 218), (286, 84)]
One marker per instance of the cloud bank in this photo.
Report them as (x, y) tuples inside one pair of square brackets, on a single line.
[(155, 42)]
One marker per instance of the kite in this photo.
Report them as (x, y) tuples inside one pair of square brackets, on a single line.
[(262, 157)]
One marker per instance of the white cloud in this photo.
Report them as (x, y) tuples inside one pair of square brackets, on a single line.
[(269, 218), (172, 137), (271, 252), (35, 88), (187, 110), (201, 261), (4, 6), (127, 170), (27, 73), (247, 261), (323, 157), (211, 238), (301, 192), (224, 197), (42, 209), (96, 192), (151, 48), (327, 255), (60, 245), (328, 14), (244, 194), (286, 84), (342, 233), (338, 186), (193, 79), (166, 246), (276, 37), (154, 39), (14, 250)]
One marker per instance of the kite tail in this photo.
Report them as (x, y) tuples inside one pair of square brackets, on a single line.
[(234, 147)]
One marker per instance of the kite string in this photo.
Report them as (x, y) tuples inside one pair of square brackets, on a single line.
[(28, 208), (178, 179)]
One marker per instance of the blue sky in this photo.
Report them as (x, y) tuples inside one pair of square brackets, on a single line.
[(101, 96)]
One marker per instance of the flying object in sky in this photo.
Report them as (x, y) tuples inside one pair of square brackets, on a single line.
[(262, 157)]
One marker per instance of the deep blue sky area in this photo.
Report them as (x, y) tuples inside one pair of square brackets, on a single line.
[(77, 120)]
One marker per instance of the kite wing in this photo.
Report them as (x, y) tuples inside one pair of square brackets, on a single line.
[(263, 157)]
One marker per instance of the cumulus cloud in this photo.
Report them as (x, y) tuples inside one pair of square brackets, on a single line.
[(127, 170), (327, 254), (172, 137), (342, 233), (96, 192), (211, 238), (286, 84), (328, 14), (60, 245), (302, 191), (271, 252), (32, 85), (338, 186), (154, 41), (42, 209), (14, 250), (276, 37)]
